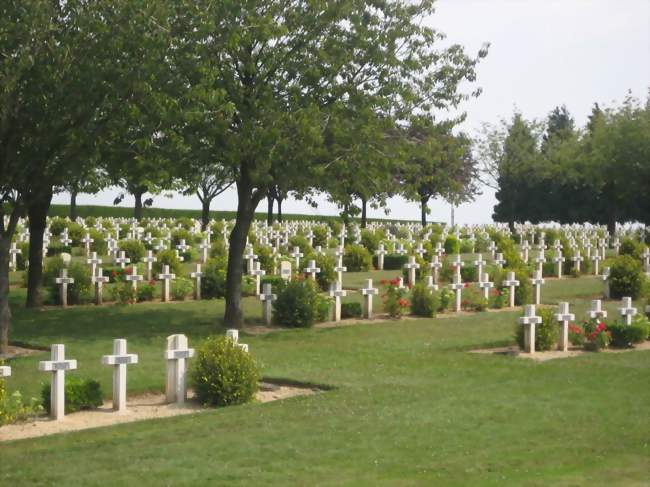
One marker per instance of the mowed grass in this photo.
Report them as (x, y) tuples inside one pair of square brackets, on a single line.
[(408, 406)]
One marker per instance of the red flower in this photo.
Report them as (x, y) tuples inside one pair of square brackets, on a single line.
[(467, 284), (114, 273)]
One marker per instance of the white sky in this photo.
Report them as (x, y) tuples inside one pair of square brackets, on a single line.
[(543, 53)]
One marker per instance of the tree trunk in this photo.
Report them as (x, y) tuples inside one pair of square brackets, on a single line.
[(205, 214), (233, 316), (279, 200), (611, 221), (269, 211), (423, 210), (364, 219), (37, 213), (73, 205), (5, 311), (137, 211)]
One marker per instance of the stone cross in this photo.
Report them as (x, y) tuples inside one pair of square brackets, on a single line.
[(319, 250), (512, 283), (340, 269), (134, 277), (297, 254), (149, 259), (435, 265), (564, 317), (233, 334), (529, 320), (525, 247), (285, 270), (58, 366), (368, 292), (617, 245), (400, 283), (577, 259), (380, 253), (400, 249), (122, 260), (500, 261), (177, 354), (597, 310), (166, 277), (431, 285), (457, 286), (538, 281), (492, 248), (250, 257), (457, 264), (596, 259), (5, 371), (179, 256), (587, 245), (267, 298), (420, 250), (605, 277), (627, 311), (312, 270), (99, 280), (65, 239), (182, 246), (93, 261), (559, 259), (337, 293), (257, 272), (411, 267), (646, 260), (204, 247), (197, 275), (439, 249), (486, 285), (479, 263), (63, 282), (87, 241), (119, 361), (540, 260), (13, 251)]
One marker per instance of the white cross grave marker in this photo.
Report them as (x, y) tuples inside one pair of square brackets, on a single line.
[(166, 277), (63, 282), (177, 354), (380, 253), (337, 293), (312, 270), (13, 251), (529, 320), (486, 285), (368, 292), (411, 267), (627, 311), (149, 259), (597, 310), (122, 260), (538, 281), (119, 360), (99, 280), (564, 317), (457, 286), (58, 366), (197, 275), (257, 272), (133, 278), (512, 283), (267, 298)]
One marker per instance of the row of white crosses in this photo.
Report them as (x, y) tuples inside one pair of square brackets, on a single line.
[(564, 317), (176, 355)]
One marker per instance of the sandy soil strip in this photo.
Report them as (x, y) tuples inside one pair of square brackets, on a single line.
[(553, 354), (148, 406)]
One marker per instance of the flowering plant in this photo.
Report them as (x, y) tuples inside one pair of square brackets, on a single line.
[(597, 336), (395, 302), (473, 299), (499, 298), (576, 335)]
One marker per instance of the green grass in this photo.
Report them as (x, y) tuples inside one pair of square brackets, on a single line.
[(409, 406)]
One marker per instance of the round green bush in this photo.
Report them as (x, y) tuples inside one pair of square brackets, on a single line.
[(320, 236), (134, 250), (301, 242), (357, 258), (168, 257), (223, 374), (299, 305), (213, 282), (452, 245), (57, 225), (79, 292), (99, 244), (370, 240), (423, 301), (631, 247), (626, 277), (75, 233), (327, 275)]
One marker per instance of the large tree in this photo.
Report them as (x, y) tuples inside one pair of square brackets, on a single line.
[(281, 65)]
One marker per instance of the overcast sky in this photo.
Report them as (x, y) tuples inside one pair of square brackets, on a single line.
[(543, 53)]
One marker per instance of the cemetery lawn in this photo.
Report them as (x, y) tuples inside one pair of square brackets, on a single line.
[(408, 406)]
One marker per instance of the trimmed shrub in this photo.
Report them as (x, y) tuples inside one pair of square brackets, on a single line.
[(223, 374), (80, 394), (631, 247), (546, 333), (320, 236), (392, 262), (626, 277), (76, 232), (213, 282), (181, 234), (299, 305), (265, 258), (57, 225), (423, 302), (466, 246), (168, 257), (370, 240), (301, 242), (626, 336), (351, 310), (146, 291), (78, 292), (327, 275), (181, 289), (357, 258), (134, 250), (452, 245), (99, 244), (218, 248)]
